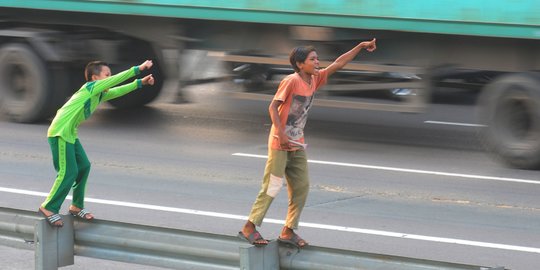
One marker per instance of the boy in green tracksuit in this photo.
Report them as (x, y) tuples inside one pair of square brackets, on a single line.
[(69, 158)]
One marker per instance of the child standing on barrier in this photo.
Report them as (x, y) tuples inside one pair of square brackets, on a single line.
[(69, 158), (286, 148)]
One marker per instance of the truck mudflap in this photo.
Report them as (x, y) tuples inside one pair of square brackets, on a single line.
[(510, 112)]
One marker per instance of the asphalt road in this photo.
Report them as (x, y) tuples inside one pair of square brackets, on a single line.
[(374, 173)]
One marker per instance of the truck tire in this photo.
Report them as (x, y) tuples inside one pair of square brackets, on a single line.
[(510, 111), (24, 84), (148, 93)]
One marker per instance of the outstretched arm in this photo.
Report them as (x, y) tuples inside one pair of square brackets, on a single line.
[(99, 86), (119, 91), (124, 89), (347, 57)]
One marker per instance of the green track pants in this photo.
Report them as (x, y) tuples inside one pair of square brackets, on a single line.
[(72, 165)]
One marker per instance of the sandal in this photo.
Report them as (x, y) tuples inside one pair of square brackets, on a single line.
[(81, 214), (253, 238), (295, 240), (52, 219)]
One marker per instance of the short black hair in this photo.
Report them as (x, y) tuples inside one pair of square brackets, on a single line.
[(93, 68), (300, 54)]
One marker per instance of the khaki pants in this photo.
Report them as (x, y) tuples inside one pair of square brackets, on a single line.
[(291, 165)]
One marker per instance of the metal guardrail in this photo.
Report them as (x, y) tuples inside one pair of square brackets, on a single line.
[(17, 228), (180, 249)]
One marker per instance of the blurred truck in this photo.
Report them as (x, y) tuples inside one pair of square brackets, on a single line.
[(492, 48)]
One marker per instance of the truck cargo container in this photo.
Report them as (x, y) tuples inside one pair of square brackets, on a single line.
[(492, 48)]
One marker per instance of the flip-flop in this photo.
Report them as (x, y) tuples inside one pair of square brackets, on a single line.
[(81, 214), (52, 219), (253, 238), (294, 240)]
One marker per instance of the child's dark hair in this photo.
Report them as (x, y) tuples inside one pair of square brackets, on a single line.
[(299, 54), (93, 68)]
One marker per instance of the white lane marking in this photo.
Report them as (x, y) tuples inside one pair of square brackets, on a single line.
[(281, 222), (364, 166), (453, 124)]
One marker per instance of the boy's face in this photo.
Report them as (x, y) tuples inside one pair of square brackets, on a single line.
[(311, 64), (105, 73)]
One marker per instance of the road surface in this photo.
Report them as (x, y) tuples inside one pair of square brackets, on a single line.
[(415, 185)]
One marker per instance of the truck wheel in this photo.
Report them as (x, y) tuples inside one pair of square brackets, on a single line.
[(24, 84), (510, 109), (148, 93)]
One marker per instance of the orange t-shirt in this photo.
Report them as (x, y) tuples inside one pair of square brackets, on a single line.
[(297, 98)]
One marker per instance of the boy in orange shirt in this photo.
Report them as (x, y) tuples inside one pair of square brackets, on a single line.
[(286, 153)]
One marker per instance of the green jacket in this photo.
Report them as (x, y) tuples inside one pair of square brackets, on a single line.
[(85, 101)]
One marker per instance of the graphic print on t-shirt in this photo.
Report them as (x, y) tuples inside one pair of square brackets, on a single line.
[(297, 118)]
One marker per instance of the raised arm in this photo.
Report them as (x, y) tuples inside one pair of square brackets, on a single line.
[(347, 57), (99, 86), (119, 91)]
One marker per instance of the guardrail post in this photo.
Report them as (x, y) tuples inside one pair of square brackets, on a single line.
[(54, 246), (260, 258)]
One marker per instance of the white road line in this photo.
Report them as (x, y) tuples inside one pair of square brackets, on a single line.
[(303, 224), (453, 124), (364, 166)]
